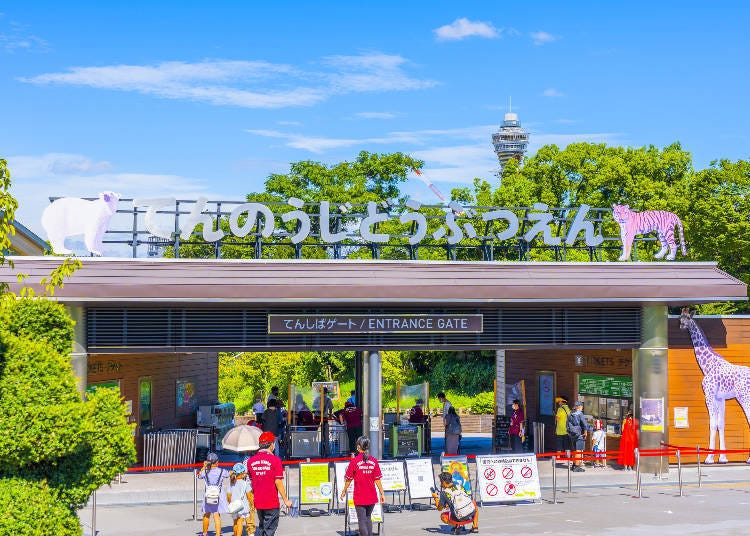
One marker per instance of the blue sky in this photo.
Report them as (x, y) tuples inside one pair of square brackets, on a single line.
[(198, 98)]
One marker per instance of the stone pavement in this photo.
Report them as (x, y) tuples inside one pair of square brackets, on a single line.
[(601, 502)]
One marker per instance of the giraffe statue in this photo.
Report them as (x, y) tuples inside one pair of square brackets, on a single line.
[(721, 381)]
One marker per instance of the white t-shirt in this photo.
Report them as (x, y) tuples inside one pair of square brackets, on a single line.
[(599, 440), (259, 408)]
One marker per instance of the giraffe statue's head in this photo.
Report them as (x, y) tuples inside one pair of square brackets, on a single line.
[(686, 317)]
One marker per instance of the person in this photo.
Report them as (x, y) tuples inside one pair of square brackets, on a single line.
[(267, 477), (446, 404), (455, 504), (352, 398), (303, 415), (241, 490), (327, 412), (515, 430), (416, 414), (628, 442), (327, 403), (272, 421), (578, 429), (599, 444), (214, 501), (452, 431), (562, 439), (258, 408), (352, 418), (364, 471), (274, 395)]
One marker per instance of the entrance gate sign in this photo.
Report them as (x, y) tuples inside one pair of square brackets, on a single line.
[(375, 323), (508, 478)]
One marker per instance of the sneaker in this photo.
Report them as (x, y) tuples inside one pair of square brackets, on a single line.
[(578, 469)]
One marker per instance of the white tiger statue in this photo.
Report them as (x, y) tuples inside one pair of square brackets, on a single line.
[(633, 223), (71, 216)]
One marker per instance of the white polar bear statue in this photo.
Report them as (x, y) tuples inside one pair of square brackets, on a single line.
[(70, 216)]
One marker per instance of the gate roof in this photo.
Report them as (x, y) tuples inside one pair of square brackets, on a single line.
[(120, 281)]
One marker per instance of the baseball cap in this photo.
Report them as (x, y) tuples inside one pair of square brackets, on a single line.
[(239, 468), (212, 457), (266, 437)]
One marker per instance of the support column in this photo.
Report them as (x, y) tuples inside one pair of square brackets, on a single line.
[(374, 418), (358, 379), (79, 353), (365, 403), (500, 380), (650, 377)]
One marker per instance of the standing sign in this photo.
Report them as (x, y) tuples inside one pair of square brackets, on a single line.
[(314, 483), (351, 512), (508, 478), (458, 467), (394, 478), (421, 477), (339, 470)]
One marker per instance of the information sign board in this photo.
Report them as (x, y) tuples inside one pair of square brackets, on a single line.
[(314, 482), (508, 478), (421, 477), (351, 512), (339, 470), (616, 386), (394, 478)]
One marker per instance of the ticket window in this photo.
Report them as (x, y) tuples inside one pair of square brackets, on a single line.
[(606, 398)]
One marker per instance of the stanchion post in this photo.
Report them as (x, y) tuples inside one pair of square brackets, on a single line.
[(93, 514), (661, 459), (570, 484), (195, 494), (698, 452), (679, 471), (554, 480), (637, 471)]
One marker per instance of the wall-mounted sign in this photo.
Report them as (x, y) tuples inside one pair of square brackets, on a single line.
[(681, 418), (652, 414), (378, 323), (615, 386)]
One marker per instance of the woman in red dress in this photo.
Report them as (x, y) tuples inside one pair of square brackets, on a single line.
[(628, 442)]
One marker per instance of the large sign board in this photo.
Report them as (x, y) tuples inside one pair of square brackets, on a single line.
[(421, 477), (394, 478), (314, 483), (374, 323), (614, 386), (508, 478)]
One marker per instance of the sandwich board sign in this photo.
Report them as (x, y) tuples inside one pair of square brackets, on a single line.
[(508, 478)]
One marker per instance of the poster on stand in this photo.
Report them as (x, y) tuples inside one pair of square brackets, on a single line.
[(458, 467), (394, 478), (351, 512), (339, 470), (314, 483), (508, 478), (421, 477)]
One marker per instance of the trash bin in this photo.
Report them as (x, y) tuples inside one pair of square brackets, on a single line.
[(538, 431)]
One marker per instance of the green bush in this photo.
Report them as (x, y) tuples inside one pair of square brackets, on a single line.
[(56, 448), (484, 403)]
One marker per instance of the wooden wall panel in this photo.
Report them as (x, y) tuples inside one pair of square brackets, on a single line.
[(164, 371), (730, 337)]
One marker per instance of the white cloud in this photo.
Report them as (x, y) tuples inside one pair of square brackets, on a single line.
[(541, 38), (37, 178), (463, 28), (247, 84), (374, 115), (15, 38), (552, 92)]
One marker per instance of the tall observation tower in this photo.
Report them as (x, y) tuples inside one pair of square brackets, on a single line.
[(511, 140)]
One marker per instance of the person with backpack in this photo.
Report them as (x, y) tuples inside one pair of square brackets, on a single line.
[(578, 429), (455, 504), (214, 501), (240, 499)]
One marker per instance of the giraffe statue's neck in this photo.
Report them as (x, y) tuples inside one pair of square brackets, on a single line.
[(703, 352)]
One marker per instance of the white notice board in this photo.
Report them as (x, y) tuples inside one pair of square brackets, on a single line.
[(394, 478), (377, 511), (421, 477), (339, 470), (508, 478)]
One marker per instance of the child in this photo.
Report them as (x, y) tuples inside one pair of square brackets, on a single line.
[(241, 490), (458, 506), (599, 444)]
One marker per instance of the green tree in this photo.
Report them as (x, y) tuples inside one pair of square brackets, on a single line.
[(8, 206)]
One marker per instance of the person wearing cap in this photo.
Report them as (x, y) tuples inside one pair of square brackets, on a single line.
[(562, 439), (241, 490), (214, 477), (578, 429), (267, 476)]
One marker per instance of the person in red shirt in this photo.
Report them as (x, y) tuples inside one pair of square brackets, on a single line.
[(267, 476), (364, 471), (416, 414), (352, 417)]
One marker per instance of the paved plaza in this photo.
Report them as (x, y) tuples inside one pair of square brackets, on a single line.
[(602, 501)]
